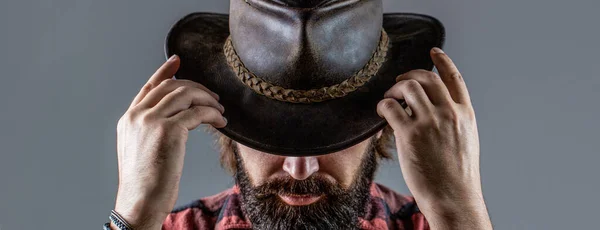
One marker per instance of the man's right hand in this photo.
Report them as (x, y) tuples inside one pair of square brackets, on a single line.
[(151, 139)]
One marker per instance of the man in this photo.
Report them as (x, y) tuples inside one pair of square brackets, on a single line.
[(435, 137)]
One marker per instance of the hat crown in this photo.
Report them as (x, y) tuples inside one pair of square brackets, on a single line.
[(305, 44), (304, 3)]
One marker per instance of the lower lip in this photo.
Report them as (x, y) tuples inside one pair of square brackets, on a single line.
[(299, 200)]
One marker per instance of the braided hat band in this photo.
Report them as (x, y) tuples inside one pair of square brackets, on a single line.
[(275, 92)]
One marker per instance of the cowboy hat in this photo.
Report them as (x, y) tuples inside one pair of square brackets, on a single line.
[(302, 78)]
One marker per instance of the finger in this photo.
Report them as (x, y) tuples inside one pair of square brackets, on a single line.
[(413, 94), (166, 71), (167, 87), (196, 115), (393, 112), (432, 84), (183, 98), (450, 76), (200, 86)]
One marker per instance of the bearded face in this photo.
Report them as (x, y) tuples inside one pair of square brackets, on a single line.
[(316, 202)]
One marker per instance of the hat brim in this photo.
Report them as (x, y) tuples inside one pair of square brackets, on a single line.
[(289, 129)]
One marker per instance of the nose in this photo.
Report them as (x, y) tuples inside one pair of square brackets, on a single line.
[(301, 168)]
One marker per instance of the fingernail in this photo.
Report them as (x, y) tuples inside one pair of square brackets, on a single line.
[(438, 50), (222, 107), (225, 119), (172, 58)]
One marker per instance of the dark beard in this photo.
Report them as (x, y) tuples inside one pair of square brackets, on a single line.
[(339, 208)]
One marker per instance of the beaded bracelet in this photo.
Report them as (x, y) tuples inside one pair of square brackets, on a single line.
[(118, 221)]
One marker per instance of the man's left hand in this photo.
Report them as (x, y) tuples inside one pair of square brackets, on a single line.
[(438, 144)]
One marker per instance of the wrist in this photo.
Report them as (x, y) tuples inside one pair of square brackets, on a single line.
[(141, 221), (459, 213), (141, 215)]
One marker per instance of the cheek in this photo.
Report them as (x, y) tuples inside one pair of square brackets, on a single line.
[(343, 165), (260, 166)]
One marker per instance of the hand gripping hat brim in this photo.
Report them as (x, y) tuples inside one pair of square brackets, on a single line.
[(296, 129)]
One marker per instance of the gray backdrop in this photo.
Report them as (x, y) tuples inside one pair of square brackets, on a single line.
[(70, 69)]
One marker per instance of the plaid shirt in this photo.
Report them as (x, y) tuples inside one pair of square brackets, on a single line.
[(386, 210)]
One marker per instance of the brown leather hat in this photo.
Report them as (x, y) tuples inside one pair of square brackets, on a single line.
[(300, 78)]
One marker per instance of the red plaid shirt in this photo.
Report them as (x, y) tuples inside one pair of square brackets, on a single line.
[(386, 210)]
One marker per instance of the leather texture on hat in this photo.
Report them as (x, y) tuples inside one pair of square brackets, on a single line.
[(290, 129)]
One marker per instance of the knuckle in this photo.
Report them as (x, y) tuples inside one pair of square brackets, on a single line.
[(388, 104), (412, 85), (146, 118), (148, 86), (182, 89), (449, 115), (432, 75), (211, 112), (423, 75), (186, 81), (202, 112), (455, 77), (193, 84), (168, 82), (190, 82), (409, 74), (420, 71), (202, 94), (206, 114), (127, 118)]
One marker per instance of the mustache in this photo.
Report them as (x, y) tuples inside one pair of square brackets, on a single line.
[(315, 185)]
